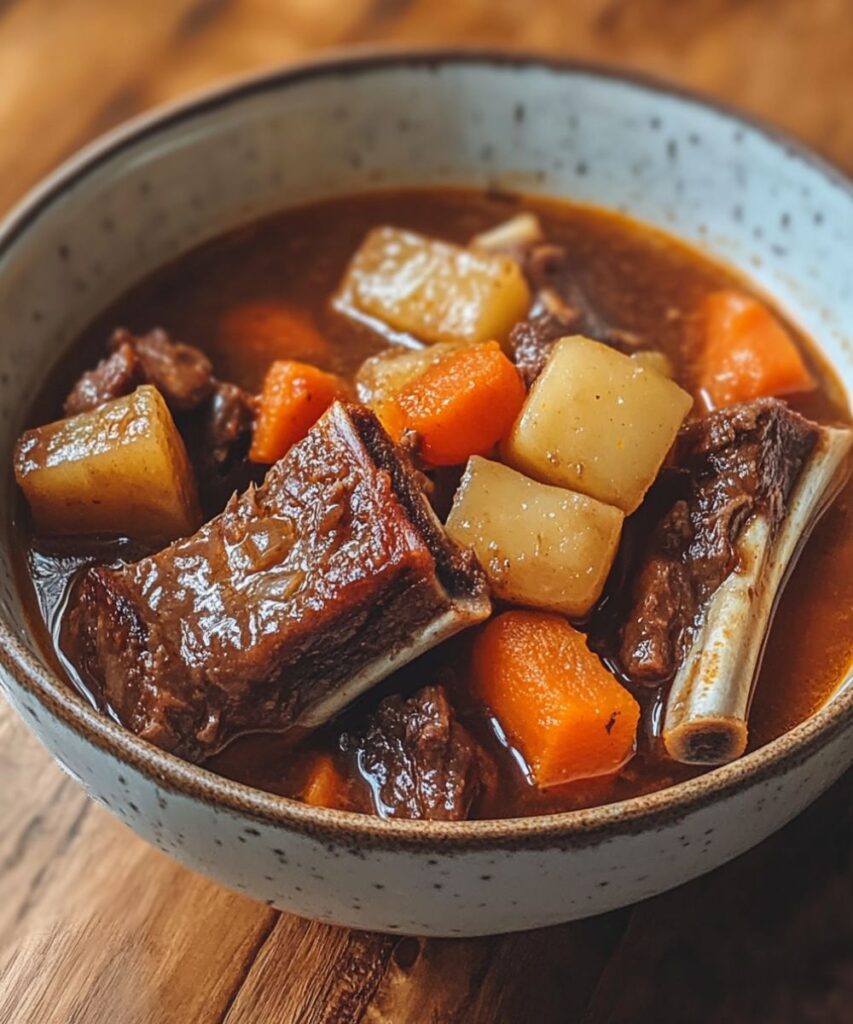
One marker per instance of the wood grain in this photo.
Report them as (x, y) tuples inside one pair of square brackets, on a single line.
[(97, 927), (74, 879)]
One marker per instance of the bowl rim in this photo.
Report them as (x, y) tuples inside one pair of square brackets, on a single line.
[(170, 773)]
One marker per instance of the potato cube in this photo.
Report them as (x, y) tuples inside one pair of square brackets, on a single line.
[(598, 422), (651, 359), (434, 290), (121, 469), (541, 546)]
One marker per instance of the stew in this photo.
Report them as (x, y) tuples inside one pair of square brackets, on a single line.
[(443, 504)]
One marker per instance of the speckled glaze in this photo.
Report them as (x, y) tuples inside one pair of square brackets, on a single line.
[(165, 183)]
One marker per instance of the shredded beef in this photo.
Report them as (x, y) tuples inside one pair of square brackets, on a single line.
[(230, 415), (181, 373), (117, 375), (418, 760), (740, 461), (281, 604), (560, 308), (218, 435), (531, 342)]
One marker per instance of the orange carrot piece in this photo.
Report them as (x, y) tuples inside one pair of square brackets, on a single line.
[(270, 329), (461, 406), (748, 353), (556, 702), (325, 786), (294, 397)]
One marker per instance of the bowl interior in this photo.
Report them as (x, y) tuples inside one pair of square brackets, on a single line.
[(148, 193)]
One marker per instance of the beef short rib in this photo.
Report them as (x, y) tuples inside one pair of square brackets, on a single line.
[(738, 462), (418, 761), (301, 595)]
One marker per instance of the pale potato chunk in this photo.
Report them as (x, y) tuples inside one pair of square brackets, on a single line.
[(382, 376), (541, 546), (121, 469), (434, 290), (598, 422), (654, 360)]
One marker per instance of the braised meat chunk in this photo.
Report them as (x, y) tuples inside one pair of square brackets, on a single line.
[(218, 435), (739, 461), (418, 760), (561, 307), (229, 419), (531, 342), (181, 373), (115, 376), (298, 597)]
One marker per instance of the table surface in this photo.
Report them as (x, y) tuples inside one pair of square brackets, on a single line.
[(95, 926)]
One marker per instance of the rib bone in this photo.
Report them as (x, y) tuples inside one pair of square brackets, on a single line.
[(706, 713)]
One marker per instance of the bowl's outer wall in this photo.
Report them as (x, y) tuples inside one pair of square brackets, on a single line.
[(435, 890), (691, 170)]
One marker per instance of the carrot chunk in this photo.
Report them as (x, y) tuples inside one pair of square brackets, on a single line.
[(748, 353), (294, 397), (461, 406), (325, 786), (556, 702), (273, 330)]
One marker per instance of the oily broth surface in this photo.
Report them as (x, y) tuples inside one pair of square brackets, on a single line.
[(640, 280)]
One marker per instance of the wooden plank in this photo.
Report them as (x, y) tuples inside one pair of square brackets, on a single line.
[(42, 812), (769, 937), (102, 972), (70, 70), (94, 924), (313, 974), (117, 59), (548, 975), (252, 35)]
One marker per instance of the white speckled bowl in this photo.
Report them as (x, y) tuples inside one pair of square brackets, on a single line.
[(166, 182)]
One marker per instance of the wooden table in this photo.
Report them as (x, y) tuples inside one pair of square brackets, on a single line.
[(97, 927)]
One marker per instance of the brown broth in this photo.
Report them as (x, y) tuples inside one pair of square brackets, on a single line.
[(639, 279)]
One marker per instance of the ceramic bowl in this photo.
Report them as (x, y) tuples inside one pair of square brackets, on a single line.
[(166, 182)]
